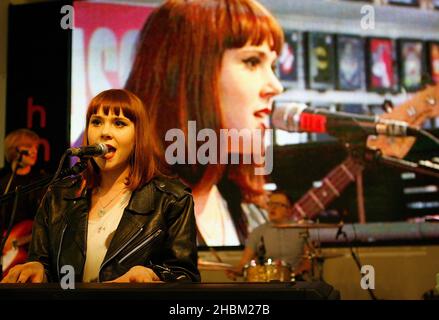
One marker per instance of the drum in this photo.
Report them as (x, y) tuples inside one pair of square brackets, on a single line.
[(271, 270)]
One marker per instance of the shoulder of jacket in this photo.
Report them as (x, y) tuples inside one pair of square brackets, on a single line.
[(173, 186)]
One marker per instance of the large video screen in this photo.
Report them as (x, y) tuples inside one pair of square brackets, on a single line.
[(103, 48)]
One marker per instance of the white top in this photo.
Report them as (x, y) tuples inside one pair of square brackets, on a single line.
[(215, 223), (99, 236)]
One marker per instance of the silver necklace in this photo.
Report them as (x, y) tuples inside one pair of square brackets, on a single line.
[(102, 211)]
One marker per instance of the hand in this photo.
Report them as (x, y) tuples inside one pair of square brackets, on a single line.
[(28, 272), (233, 273), (21, 241), (138, 274)]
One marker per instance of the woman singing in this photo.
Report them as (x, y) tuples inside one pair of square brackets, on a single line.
[(211, 63), (121, 220)]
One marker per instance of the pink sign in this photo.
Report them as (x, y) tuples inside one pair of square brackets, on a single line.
[(103, 48)]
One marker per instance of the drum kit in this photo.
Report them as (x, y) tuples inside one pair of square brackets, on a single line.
[(310, 268)]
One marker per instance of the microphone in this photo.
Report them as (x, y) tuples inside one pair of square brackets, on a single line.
[(23, 152), (20, 155), (94, 150), (298, 117)]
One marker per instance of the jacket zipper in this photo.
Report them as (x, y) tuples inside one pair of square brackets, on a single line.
[(145, 242), (117, 252), (59, 251)]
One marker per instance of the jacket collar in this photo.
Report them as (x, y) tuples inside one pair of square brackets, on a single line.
[(142, 199)]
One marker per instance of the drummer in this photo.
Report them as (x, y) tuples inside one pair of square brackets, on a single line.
[(267, 241)]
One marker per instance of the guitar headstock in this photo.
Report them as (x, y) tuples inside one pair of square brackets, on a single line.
[(422, 106)]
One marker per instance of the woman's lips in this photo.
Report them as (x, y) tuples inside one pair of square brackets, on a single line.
[(262, 113), (111, 152), (108, 155)]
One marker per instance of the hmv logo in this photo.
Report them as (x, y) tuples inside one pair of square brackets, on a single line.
[(37, 118)]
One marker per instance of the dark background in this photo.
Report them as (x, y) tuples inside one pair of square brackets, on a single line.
[(39, 52)]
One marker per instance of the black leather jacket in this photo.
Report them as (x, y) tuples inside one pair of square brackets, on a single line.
[(157, 230)]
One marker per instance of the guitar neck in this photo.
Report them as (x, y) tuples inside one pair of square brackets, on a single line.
[(419, 108), (424, 105), (317, 199)]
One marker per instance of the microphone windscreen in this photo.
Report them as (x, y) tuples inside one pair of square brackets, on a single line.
[(287, 117)]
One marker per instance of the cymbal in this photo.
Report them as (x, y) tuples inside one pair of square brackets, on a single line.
[(213, 265), (308, 225)]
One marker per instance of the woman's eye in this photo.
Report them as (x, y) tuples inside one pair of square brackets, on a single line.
[(252, 62), (120, 123), (95, 122)]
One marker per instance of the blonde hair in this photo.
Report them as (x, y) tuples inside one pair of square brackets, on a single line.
[(19, 138)]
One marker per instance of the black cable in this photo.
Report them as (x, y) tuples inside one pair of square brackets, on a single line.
[(356, 259), (58, 170), (428, 135)]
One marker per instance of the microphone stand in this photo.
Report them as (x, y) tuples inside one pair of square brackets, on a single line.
[(14, 173), (44, 182), (360, 197), (41, 183), (3, 212), (422, 167), (261, 252), (355, 143)]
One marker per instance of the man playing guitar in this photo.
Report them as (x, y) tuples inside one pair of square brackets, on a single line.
[(21, 153)]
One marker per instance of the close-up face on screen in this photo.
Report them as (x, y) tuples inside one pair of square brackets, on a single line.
[(286, 147)]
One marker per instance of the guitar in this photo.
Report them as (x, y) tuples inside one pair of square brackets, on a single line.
[(335, 182), (424, 105), (14, 251)]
